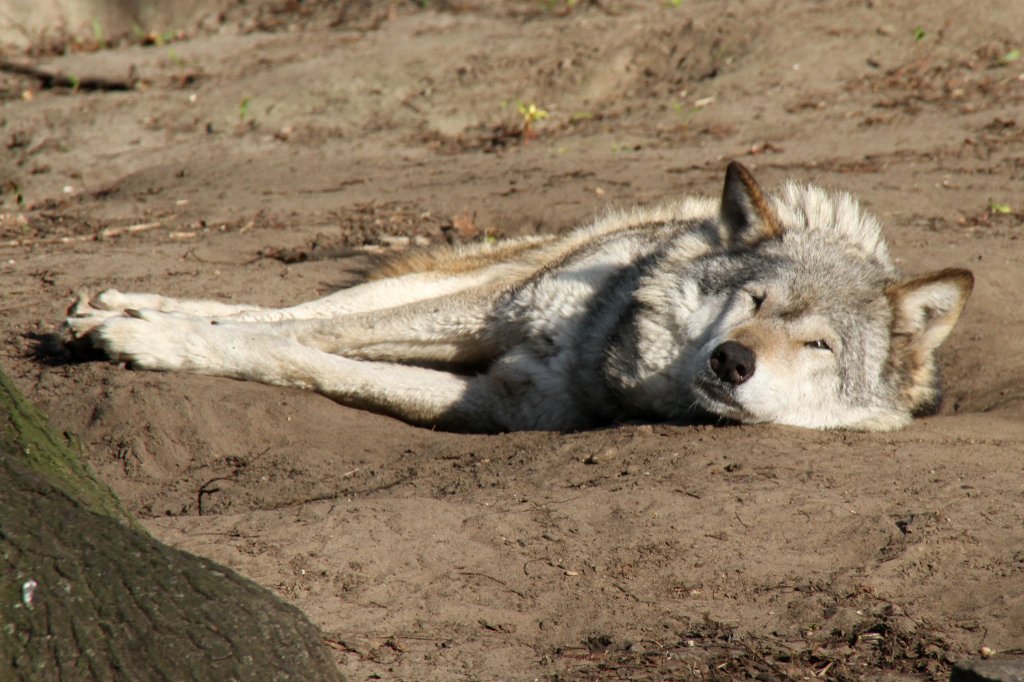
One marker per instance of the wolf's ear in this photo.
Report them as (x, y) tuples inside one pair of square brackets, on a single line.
[(746, 215), (926, 308)]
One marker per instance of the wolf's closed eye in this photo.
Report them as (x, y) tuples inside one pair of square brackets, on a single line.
[(757, 298)]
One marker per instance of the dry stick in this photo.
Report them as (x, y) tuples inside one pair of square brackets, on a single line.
[(105, 233), (500, 582), (58, 80)]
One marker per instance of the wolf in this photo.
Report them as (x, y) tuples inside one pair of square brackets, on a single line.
[(783, 307)]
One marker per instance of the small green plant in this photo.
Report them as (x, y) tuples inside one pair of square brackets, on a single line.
[(1010, 57), (684, 112), (919, 34), (97, 34), (531, 114), (177, 59), (996, 207), (675, 3), (243, 110)]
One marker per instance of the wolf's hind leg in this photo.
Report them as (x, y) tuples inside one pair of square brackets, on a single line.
[(382, 294), (449, 329), (160, 341), (88, 312)]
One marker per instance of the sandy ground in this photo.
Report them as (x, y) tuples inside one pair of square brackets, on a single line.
[(264, 155)]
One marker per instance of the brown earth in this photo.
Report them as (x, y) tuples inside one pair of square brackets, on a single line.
[(262, 154)]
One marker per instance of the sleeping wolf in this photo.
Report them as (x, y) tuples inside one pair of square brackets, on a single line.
[(783, 308)]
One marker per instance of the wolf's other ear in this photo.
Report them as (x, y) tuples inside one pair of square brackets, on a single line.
[(926, 308), (746, 215)]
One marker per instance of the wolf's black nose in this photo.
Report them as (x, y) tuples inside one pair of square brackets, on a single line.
[(733, 363)]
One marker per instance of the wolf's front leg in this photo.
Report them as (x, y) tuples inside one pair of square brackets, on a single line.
[(112, 299), (88, 312), (161, 341), (382, 294)]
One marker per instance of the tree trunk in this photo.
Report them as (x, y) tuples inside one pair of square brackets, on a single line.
[(25, 430), (86, 595)]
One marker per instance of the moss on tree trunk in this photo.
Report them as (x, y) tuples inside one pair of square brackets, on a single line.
[(84, 595), (25, 430)]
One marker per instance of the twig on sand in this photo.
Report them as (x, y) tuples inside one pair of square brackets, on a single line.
[(49, 79), (105, 233)]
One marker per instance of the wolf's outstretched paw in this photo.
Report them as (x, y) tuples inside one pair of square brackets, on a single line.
[(90, 311), (80, 306), (85, 315), (108, 299), (149, 339)]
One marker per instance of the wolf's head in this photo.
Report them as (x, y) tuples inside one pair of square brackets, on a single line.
[(813, 324)]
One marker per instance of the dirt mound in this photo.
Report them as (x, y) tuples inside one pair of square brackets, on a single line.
[(272, 155)]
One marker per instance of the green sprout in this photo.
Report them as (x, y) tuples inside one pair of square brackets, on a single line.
[(1010, 57), (996, 207), (173, 56), (243, 110), (581, 116), (919, 34), (531, 114), (684, 112), (97, 34)]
